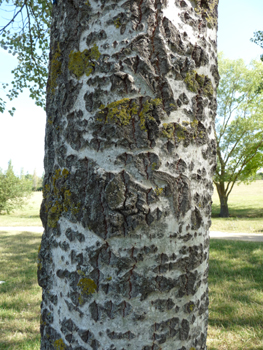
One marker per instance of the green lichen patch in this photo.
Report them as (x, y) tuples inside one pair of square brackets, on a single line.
[(208, 87), (191, 307), (119, 111), (158, 190), (117, 23), (42, 323), (194, 124), (55, 68), (123, 111), (80, 272), (180, 132), (191, 82), (168, 130), (144, 114), (65, 173), (208, 10), (196, 131), (87, 287), (57, 197), (196, 82), (59, 344), (187, 131), (83, 62), (205, 83), (154, 165), (173, 107)]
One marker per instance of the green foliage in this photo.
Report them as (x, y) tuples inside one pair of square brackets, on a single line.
[(13, 190), (25, 34), (239, 123), (258, 39)]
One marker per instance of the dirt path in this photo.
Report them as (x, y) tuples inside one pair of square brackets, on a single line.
[(252, 237)]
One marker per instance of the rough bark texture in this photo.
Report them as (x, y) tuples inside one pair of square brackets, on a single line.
[(130, 153)]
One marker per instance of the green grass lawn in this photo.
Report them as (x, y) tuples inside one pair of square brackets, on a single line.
[(236, 296), (235, 284), (20, 294), (28, 215), (245, 207)]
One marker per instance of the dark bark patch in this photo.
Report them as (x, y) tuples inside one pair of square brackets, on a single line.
[(165, 330), (118, 335), (184, 330), (196, 219), (163, 304)]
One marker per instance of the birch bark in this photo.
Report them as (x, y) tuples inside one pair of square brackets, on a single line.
[(129, 159)]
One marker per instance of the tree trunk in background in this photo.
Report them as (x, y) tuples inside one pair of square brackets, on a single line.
[(130, 154), (223, 197), (224, 212)]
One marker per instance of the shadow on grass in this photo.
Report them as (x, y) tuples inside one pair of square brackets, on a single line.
[(20, 295), (31, 344), (18, 263), (17, 307), (247, 212), (29, 216), (236, 284)]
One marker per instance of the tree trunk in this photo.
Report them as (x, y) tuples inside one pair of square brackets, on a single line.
[(223, 197), (130, 153), (224, 212)]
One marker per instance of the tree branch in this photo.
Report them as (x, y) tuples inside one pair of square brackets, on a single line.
[(245, 162), (12, 20)]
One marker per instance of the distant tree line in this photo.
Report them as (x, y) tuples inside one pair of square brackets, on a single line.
[(36, 181)]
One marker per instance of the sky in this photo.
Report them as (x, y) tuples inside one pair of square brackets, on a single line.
[(22, 136)]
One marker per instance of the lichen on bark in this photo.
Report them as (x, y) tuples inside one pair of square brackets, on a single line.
[(208, 10), (55, 68), (83, 62), (196, 82)]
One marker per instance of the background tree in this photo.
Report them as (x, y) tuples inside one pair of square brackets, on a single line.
[(258, 39), (129, 159), (239, 126), (25, 32), (13, 190)]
